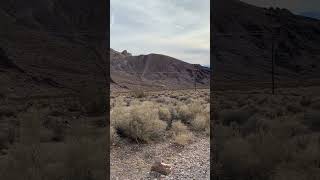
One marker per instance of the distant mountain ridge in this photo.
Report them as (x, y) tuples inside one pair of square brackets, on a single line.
[(154, 71)]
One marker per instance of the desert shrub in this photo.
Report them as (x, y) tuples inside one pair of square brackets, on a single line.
[(294, 108), (287, 172), (139, 122), (253, 157), (312, 120), (138, 93), (181, 134), (255, 124), (21, 158), (184, 113), (201, 122), (83, 163), (304, 163), (305, 101), (46, 135), (310, 155), (7, 111), (74, 107), (56, 127), (183, 98), (24, 157), (3, 141), (79, 157), (163, 100), (179, 128), (220, 135), (113, 135), (2, 96), (207, 99), (174, 113), (7, 133), (56, 113), (164, 114), (316, 105), (173, 96), (237, 116), (93, 101), (277, 141), (119, 101), (195, 107), (59, 133), (238, 158), (287, 127)]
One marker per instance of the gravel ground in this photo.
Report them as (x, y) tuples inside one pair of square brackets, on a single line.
[(133, 161)]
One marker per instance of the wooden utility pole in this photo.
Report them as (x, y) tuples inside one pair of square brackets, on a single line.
[(272, 61), (195, 76), (274, 32)]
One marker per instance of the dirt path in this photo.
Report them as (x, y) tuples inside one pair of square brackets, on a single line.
[(132, 162)]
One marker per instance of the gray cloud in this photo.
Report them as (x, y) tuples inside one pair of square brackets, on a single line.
[(178, 28)]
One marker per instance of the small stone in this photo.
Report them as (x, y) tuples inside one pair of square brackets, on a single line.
[(161, 168)]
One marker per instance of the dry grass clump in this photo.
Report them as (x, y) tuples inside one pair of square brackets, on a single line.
[(139, 122), (181, 134), (183, 139), (138, 93)]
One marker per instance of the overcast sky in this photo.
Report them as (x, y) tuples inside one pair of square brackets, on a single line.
[(297, 6), (177, 28)]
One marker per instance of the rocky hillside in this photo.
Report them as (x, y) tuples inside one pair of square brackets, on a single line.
[(154, 71), (57, 15), (243, 41), (55, 45)]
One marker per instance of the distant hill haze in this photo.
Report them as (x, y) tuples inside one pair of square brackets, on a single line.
[(311, 14), (242, 46), (155, 71)]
